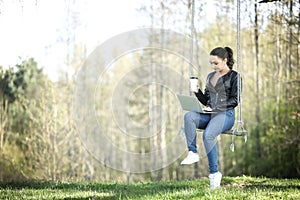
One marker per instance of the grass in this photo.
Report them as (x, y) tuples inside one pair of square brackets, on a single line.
[(232, 188)]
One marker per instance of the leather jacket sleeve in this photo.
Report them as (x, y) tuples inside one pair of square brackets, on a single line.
[(203, 98)]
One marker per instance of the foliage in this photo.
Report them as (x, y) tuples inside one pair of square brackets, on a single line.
[(16, 84)]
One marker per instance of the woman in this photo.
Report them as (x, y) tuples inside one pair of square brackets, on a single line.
[(220, 97)]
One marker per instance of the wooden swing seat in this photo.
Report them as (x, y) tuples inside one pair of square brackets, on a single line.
[(232, 132)]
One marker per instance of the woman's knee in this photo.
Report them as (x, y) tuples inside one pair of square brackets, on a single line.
[(189, 116), (207, 136)]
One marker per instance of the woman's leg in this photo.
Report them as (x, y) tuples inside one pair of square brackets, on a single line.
[(192, 121), (220, 122)]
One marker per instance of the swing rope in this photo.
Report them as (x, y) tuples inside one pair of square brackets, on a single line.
[(239, 130), (192, 37)]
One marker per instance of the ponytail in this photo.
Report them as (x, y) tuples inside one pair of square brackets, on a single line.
[(230, 60)]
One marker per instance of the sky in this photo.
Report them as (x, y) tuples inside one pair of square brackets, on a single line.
[(34, 28)]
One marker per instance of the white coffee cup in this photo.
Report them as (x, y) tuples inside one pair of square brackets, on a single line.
[(194, 84)]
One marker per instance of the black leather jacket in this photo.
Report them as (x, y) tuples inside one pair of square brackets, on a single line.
[(224, 95)]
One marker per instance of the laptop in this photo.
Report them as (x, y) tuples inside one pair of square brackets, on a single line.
[(191, 103)]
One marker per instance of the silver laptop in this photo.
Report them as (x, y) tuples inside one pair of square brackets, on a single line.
[(190, 103)]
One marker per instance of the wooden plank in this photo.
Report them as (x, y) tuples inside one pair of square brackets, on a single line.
[(230, 132)]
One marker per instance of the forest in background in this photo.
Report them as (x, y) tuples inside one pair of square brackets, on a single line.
[(39, 137)]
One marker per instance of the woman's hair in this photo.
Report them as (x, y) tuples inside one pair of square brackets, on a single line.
[(223, 53)]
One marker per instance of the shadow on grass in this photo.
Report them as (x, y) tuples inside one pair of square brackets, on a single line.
[(274, 187), (109, 190), (262, 184), (42, 185)]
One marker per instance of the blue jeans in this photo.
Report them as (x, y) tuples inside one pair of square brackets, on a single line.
[(213, 125)]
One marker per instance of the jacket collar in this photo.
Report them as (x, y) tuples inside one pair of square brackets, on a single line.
[(220, 80)]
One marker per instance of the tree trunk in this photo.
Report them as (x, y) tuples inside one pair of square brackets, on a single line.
[(288, 71), (3, 121), (257, 113)]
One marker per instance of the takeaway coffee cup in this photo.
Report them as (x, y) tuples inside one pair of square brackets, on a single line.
[(194, 84)]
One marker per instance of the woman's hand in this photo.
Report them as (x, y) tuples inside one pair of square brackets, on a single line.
[(207, 109), (194, 88)]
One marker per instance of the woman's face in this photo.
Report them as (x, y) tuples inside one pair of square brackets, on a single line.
[(217, 63)]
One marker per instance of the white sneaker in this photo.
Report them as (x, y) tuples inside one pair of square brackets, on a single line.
[(190, 159), (215, 180)]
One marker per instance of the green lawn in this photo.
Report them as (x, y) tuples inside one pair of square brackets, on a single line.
[(232, 188)]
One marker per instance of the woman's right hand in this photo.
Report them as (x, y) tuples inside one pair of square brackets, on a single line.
[(207, 109)]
